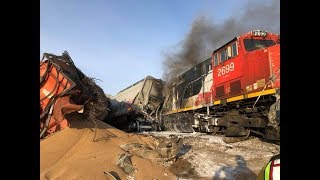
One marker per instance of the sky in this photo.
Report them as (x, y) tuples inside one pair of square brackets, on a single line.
[(119, 42)]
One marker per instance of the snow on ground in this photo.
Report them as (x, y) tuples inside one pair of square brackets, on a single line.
[(211, 158)]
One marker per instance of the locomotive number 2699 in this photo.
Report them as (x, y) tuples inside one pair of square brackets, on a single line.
[(226, 69)]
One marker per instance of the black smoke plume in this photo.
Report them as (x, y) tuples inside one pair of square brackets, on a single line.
[(205, 35)]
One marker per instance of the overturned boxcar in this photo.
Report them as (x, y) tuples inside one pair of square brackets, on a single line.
[(137, 107), (65, 89)]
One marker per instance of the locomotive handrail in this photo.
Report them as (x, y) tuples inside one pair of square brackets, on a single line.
[(271, 79)]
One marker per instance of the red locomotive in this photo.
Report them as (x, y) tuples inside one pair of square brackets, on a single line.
[(236, 91)]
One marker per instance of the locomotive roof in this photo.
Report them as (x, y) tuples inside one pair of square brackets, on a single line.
[(194, 66), (244, 34), (225, 45)]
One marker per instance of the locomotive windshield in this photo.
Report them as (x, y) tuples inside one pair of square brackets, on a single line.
[(254, 44)]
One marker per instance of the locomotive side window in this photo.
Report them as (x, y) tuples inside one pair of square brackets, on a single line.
[(207, 67), (223, 55), (253, 44), (234, 49), (229, 52), (216, 60)]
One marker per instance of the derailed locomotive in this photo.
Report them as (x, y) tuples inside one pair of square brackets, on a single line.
[(236, 91)]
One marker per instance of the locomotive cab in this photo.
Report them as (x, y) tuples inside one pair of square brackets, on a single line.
[(244, 66)]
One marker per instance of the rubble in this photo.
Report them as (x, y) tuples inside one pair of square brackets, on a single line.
[(125, 163), (165, 150), (211, 158)]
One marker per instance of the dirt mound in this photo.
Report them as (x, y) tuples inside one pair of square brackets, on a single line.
[(72, 153)]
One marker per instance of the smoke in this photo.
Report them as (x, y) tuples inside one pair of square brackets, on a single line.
[(205, 35)]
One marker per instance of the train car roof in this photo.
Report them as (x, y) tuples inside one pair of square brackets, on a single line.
[(147, 77)]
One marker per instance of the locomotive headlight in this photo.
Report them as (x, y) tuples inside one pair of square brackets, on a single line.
[(259, 33)]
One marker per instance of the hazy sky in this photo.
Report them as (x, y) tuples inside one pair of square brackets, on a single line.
[(122, 41)]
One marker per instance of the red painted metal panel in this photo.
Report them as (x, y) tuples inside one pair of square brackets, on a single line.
[(204, 98), (55, 84), (274, 56), (227, 71), (257, 69), (249, 70)]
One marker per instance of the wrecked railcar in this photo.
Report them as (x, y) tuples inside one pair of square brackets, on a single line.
[(137, 107), (65, 89)]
